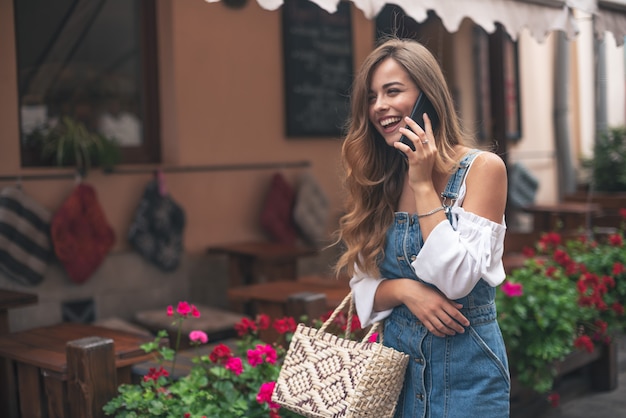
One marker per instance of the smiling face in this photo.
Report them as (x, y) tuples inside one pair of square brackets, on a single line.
[(392, 96)]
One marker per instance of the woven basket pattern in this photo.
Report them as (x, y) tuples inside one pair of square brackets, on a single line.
[(327, 376)]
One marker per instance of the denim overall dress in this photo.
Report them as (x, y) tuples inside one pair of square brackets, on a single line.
[(465, 375)]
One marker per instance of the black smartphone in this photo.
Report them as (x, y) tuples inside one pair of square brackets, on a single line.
[(422, 105)]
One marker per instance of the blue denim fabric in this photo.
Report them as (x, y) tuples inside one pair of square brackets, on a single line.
[(465, 375)]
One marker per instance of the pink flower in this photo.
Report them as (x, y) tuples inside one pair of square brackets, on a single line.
[(195, 312), (255, 357), (235, 365), (373, 338), (269, 352), (262, 353), (512, 289), (198, 337), (170, 310), (265, 395), (183, 309)]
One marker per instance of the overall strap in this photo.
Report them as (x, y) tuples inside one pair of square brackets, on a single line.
[(451, 193)]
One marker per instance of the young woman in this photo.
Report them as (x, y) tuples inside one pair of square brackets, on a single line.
[(424, 237)]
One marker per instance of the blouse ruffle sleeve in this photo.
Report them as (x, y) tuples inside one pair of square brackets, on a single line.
[(457, 255), (363, 292)]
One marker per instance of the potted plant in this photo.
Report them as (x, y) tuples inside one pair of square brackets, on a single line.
[(567, 298), (70, 143), (608, 165)]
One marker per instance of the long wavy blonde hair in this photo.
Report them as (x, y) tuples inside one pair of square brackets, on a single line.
[(374, 171)]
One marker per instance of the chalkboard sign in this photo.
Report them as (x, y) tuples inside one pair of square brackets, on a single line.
[(318, 68)]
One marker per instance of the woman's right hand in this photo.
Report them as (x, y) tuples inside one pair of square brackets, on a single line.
[(438, 314)]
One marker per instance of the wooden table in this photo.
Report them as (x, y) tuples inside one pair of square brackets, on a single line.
[(291, 298), (564, 216), (40, 359), (271, 298), (260, 262)]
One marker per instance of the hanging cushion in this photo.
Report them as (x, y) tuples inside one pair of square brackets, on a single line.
[(81, 235), (277, 211), (25, 246), (311, 210), (156, 232)]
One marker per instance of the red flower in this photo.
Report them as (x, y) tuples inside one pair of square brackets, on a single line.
[(554, 399), (221, 353), (550, 271), (618, 268), (550, 239), (284, 325), (622, 213), (562, 258), (584, 342), (154, 374), (616, 240), (263, 321), (244, 326), (528, 252), (618, 308)]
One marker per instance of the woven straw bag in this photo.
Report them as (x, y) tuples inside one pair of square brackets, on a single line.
[(324, 375)]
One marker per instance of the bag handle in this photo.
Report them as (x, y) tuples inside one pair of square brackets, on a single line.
[(342, 305)]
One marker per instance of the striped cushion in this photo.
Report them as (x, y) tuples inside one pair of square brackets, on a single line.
[(25, 245)]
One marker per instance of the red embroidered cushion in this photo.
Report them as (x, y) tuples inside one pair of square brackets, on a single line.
[(276, 216), (81, 235)]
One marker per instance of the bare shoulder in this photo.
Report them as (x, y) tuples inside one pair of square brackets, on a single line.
[(487, 187), (489, 163)]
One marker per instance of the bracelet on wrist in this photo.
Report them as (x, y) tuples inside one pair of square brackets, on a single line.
[(439, 209)]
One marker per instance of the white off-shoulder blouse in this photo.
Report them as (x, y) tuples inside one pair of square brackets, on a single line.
[(454, 258)]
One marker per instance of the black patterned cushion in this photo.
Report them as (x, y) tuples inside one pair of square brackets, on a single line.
[(157, 229)]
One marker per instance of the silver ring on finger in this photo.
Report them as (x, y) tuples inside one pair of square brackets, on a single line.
[(425, 141)]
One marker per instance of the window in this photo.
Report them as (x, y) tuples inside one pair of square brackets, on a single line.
[(92, 61)]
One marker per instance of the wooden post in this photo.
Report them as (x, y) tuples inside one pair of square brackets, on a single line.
[(91, 376), (309, 304), (604, 371)]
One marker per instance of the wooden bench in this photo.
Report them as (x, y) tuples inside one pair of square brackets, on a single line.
[(69, 369)]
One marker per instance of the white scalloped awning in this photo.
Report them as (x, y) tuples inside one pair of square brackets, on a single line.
[(611, 17), (540, 17)]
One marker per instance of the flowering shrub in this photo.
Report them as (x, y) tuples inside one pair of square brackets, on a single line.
[(235, 380), (569, 295), (232, 380)]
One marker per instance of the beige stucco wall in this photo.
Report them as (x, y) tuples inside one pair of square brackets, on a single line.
[(221, 88)]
